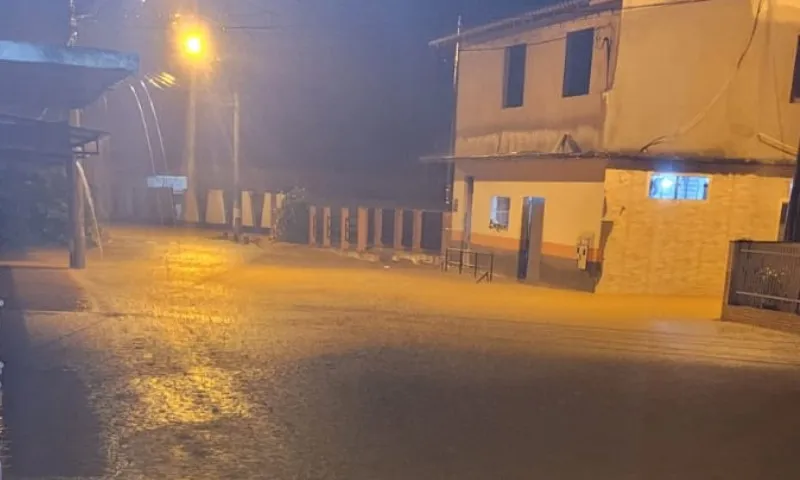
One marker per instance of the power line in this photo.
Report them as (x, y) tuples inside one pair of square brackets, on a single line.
[(725, 86)]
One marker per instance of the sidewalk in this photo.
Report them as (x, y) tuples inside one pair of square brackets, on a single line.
[(50, 429)]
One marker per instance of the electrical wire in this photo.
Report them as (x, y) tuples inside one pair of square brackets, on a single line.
[(697, 119)]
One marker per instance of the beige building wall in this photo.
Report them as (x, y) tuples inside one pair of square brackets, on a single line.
[(677, 78), (572, 190), (484, 127), (571, 209), (681, 247)]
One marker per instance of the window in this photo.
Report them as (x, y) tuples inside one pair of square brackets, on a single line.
[(578, 63), (796, 80), (514, 89), (666, 186), (498, 218)]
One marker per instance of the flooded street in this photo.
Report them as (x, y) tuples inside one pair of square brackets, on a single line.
[(180, 356)]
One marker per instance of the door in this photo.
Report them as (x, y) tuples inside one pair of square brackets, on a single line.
[(469, 193), (529, 258)]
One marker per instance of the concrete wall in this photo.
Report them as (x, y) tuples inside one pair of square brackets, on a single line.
[(484, 127), (676, 73), (681, 247)]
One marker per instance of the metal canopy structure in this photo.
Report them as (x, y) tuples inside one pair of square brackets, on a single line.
[(27, 139), (37, 77)]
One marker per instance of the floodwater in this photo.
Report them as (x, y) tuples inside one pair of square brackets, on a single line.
[(179, 356)]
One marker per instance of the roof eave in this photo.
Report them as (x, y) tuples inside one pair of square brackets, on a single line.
[(557, 13)]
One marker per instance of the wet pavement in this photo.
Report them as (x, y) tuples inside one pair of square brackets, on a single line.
[(180, 356)]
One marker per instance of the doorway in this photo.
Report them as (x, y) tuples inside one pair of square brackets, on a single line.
[(469, 193), (529, 258)]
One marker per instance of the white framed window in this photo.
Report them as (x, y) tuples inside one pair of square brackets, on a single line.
[(669, 186), (498, 215)]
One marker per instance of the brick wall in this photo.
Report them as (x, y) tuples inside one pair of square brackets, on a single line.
[(681, 247)]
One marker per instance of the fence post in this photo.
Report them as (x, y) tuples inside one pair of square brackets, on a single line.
[(312, 225), (363, 229), (326, 227), (378, 228), (398, 229), (733, 248), (416, 232), (345, 228), (273, 209)]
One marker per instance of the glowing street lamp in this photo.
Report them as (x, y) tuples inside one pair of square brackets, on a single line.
[(193, 45), (193, 41)]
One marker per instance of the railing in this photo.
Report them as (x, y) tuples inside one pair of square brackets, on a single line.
[(765, 275), (479, 264)]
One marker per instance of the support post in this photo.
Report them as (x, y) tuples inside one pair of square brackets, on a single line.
[(378, 228), (363, 229), (398, 229), (77, 251), (345, 228), (447, 218), (792, 231), (312, 226), (416, 233), (326, 227)]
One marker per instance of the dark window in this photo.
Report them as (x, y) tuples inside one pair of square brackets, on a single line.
[(514, 90), (796, 81), (578, 63)]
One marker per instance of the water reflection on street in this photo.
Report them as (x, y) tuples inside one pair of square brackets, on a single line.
[(205, 359)]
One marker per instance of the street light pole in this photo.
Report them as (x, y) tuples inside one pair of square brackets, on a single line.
[(191, 213), (237, 185)]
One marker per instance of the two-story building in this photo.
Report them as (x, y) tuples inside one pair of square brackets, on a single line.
[(619, 145)]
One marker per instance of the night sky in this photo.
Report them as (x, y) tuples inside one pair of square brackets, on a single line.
[(342, 84)]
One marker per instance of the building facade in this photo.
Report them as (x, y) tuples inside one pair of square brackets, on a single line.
[(619, 145)]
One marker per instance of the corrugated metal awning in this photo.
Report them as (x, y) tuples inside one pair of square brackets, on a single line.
[(36, 76), (32, 140)]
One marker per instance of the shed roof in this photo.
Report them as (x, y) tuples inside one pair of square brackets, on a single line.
[(36, 76), (39, 140), (559, 12)]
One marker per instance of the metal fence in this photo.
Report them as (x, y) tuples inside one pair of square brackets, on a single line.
[(479, 264), (765, 275)]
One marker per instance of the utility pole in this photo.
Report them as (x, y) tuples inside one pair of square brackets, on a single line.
[(453, 125), (237, 184), (792, 231), (191, 213), (77, 244)]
